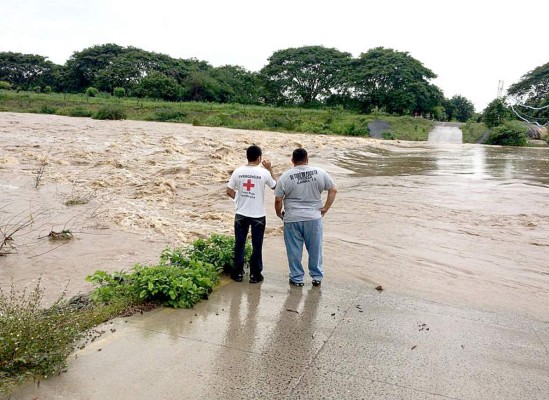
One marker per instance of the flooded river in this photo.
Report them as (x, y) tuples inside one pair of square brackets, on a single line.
[(452, 223)]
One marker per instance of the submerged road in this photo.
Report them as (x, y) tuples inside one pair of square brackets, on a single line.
[(446, 132)]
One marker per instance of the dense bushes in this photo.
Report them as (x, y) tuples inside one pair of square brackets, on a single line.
[(508, 134), (110, 112), (183, 276)]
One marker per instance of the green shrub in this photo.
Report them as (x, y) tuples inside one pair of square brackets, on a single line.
[(110, 112), (37, 89), (5, 85), (184, 275), (47, 89), (354, 129), (388, 136), (175, 286), (91, 92), (119, 92), (508, 134), (168, 115), (217, 250), (78, 111), (46, 109)]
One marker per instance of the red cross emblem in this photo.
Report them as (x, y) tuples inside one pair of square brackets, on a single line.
[(248, 185)]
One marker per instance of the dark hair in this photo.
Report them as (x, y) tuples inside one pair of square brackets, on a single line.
[(253, 153), (299, 155)]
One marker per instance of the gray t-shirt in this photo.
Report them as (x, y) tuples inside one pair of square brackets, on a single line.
[(300, 187)]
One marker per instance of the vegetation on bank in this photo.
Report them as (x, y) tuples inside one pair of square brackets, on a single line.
[(308, 76), (344, 90), (334, 120), (35, 342), (474, 132)]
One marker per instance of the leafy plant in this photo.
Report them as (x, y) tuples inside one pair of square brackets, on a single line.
[(175, 286), (217, 250), (110, 287)]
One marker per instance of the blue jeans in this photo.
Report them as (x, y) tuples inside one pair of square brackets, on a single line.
[(242, 226), (295, 235)]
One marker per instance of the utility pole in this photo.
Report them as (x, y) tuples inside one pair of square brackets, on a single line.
[(500, 89)]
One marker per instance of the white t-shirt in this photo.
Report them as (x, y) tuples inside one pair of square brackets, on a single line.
[(249, 184)]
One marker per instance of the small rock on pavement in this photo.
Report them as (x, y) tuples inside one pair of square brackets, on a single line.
[(379, 288)]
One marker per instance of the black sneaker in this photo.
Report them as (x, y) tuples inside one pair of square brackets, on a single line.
[(236, 277), (256, 278), (297, 284), (316, 282)]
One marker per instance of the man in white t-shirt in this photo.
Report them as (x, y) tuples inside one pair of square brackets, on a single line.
[(247, 187)]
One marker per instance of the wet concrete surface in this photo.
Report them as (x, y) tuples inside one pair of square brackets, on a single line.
[(343, 340)]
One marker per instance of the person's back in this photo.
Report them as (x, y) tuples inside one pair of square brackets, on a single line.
[(298, 202), (248, 181), (302, 187), (247, 188)]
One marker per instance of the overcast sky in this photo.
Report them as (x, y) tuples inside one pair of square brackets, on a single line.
[(470, 45)]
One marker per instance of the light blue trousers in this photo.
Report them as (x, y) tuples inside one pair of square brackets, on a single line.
[(295, 235)]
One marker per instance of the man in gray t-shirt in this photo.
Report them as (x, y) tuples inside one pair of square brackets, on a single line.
[(298, 191)]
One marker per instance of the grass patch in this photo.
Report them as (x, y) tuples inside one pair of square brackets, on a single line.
[(332, 121), (473, 132), (35, 342)]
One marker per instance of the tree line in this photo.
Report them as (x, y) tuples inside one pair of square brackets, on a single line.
[(311, 76)]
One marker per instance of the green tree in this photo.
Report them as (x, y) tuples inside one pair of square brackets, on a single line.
[(533, 90), (27, 70), (392, 81), (496, 113), (157, 85), (459, 108), (304, 75), (202, 86), (237, 85), (83, 67)]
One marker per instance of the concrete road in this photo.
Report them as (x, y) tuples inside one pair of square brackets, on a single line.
[(339, 341)]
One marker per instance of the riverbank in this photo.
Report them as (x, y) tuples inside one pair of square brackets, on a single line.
[(327, 121), (444, 223)]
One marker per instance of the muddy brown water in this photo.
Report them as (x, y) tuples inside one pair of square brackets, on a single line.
[(459, 224)]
